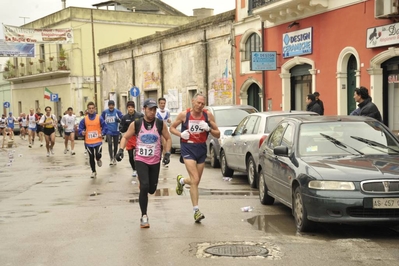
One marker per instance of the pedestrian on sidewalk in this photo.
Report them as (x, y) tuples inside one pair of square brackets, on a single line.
[(196, 126), (49, 123), (148, 130), (112, 117), (93, 127), (131, 116)]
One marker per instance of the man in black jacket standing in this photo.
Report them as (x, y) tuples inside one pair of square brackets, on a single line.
[(312, 105), (127, 119), (320, 102), (366, 106)]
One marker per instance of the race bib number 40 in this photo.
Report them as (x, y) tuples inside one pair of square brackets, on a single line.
[(147, 150), (92, 135), (193, 126)]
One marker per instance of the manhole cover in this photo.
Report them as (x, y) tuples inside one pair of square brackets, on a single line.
[(237, 250)]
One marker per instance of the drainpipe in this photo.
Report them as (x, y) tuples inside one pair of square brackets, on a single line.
[(263, 72), (138, 107), (161, 69), (206, 80)]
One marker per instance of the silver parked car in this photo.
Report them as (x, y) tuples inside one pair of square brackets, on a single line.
[(240, 151), (227, 117)]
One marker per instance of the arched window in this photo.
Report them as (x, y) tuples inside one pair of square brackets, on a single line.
[(252, 45)]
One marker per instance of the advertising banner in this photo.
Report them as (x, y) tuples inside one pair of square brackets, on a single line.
[(24, 35), (8, 49), (298, 43), (383, 35)]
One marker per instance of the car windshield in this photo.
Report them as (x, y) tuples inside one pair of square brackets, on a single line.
[(231, 117), (343, 138)]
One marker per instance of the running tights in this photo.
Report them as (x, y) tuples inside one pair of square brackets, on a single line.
[(131, 159), (94, 153), (148, 177)]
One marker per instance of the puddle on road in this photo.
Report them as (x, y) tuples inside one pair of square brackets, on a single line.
[(285, 225)]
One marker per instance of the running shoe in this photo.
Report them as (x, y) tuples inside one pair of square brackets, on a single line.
[(41, 144), (198, 216), (179, 186), (52, 151), (30, 145), (48, 154), (93, 175), (65, 151), (99, 163), (114, 161), (144, 222), (72, 152), (134, 173)]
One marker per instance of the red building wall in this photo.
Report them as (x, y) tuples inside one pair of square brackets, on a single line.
[(332, 32)]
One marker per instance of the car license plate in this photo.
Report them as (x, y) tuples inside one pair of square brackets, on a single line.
[(385, 203)]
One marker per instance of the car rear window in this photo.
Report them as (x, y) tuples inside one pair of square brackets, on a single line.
[(272, 121), (231, 117)]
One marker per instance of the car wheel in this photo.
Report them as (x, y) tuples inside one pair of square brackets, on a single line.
[(214, 160), (264, 198), (226, 171), (172, 150), (251, 172), (300, 213)]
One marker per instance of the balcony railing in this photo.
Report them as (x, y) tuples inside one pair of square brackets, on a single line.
[(35, 67), (252, 4)]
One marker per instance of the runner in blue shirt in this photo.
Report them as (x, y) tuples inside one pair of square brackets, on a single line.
[(10, 124), (112, 118)]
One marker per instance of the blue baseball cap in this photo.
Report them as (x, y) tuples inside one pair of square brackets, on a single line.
[(150, 103)]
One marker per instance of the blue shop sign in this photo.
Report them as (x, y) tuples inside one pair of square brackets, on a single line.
[(298, 43), (263, 61)]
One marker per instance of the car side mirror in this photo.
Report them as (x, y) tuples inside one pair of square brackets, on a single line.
[(228, 132), (281, 151)]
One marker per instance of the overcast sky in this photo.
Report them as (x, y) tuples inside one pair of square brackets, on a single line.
[(13, 11), (18, 12)]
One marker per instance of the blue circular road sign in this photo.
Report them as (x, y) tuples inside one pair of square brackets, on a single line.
[(134, 91), (6, 105)]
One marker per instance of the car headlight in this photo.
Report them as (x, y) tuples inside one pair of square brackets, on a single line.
[(331, 185)]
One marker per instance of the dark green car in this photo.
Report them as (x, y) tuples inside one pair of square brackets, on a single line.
[(332, 169)]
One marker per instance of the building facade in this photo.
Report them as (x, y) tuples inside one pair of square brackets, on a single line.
[(175, 64), (329, 46), (71, 71)]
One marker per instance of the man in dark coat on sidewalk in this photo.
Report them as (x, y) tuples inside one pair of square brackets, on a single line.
[(320, 102), (312, 104), (366, 106)]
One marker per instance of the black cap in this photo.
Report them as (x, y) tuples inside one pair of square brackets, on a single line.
[(111, 102), (150, 103)]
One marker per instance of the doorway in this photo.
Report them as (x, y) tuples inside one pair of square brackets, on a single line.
[(390, 94), (351, 83), (253, 96), (301, 86)]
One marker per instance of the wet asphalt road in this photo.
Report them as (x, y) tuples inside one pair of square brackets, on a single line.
[(52, 213)]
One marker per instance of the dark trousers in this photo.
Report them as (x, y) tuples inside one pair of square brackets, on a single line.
[(148, 177), (112, 145), (132, 161)]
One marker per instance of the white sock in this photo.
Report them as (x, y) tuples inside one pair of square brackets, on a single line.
[(182, 181), (195, 208)]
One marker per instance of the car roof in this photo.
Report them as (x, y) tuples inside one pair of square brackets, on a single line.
[(236, 106), (332, 118), (280, 113)]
